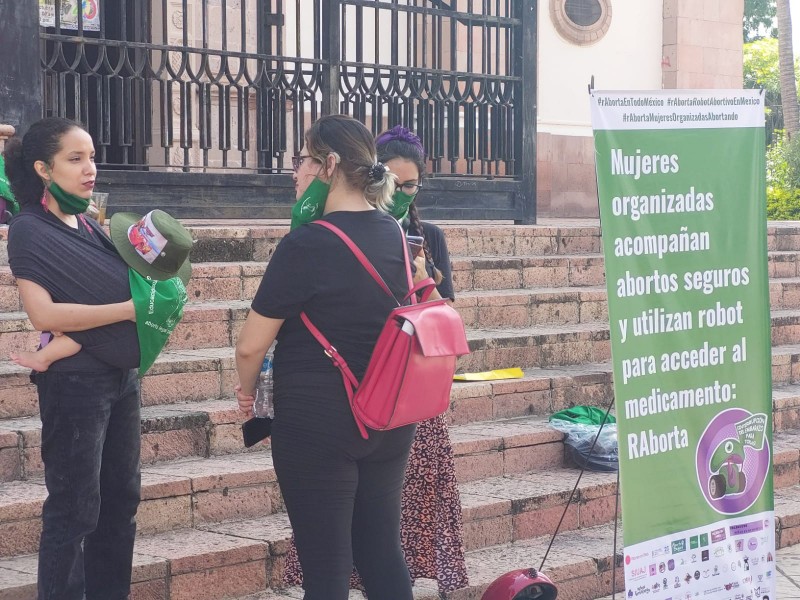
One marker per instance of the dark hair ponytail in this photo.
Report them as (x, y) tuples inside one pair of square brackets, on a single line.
[(416, 226), (42, 142)]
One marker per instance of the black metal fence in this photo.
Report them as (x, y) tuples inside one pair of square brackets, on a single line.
[(198, 105)]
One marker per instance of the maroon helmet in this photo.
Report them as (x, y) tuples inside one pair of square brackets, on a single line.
[(522, 584)]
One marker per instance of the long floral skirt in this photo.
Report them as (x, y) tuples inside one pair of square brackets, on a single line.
[(430, 526)]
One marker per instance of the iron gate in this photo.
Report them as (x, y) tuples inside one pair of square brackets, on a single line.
[(197, 106)]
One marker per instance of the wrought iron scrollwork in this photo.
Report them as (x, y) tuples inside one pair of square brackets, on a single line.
[(232, 85)]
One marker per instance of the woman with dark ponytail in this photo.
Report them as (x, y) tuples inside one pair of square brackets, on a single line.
[(431, 520), (431, 523), (71, 279), (342, 492)]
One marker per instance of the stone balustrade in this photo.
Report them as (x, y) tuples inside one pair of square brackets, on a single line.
[(6, 131)]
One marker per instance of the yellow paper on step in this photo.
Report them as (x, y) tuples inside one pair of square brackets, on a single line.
[(514, 373)]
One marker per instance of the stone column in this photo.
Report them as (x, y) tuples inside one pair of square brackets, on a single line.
[(702, 44), (20, 69)]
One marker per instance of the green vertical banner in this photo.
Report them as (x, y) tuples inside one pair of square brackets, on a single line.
[(681, 186)]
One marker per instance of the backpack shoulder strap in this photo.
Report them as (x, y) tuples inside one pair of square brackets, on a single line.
[(365, 261)]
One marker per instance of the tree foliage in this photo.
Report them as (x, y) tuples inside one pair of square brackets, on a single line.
[(783, 178), (761, 71), (759, 20)]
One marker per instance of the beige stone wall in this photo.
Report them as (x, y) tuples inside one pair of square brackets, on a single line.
[(565, 176), (702, 49), (702, 42)]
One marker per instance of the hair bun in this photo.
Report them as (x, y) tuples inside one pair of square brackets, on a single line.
[(377, 171), (402, 134)]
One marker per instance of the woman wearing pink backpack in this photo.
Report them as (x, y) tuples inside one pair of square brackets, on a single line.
[(342, 492)]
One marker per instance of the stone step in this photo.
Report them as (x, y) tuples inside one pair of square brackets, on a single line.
[(513, 481), (213, 429), (556, 345), (513, 272), (211, 281), (241, 559), (232, 281), (177, 494), (204, 325), (256, 240), (203, 493), (551, 320), (178, 565), (534, 306), (189, 410), (548, 237), (199, 375), (235, 243)]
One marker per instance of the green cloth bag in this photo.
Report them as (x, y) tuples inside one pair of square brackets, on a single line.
[(159, 308), (587, 415), (5, 189)]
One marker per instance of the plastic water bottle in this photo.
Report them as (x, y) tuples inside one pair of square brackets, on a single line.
[(263, 405)]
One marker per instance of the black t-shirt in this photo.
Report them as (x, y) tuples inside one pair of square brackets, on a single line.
[(312, 270), (434, 236), (76, 266)]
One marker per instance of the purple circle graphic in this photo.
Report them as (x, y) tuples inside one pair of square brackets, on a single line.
[(754, 466)]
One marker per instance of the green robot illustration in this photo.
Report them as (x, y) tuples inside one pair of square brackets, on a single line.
[(726, 466)]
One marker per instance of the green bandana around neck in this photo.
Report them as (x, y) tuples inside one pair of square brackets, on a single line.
[(400, 203), (159, 308), (310, 206)]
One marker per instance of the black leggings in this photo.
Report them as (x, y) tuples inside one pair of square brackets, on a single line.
[(342, 492)]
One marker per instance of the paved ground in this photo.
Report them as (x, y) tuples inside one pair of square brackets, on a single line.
[(788, 567)]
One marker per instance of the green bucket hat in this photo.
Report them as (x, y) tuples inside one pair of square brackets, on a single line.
[(154, 245)]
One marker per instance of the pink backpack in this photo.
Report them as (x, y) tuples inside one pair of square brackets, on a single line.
[(410, 372)]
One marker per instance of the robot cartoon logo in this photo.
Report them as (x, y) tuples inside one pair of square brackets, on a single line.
[(726, 464), (732, 460)]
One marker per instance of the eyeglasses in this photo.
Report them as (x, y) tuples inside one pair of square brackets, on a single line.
[(409, 188), (297, 161)]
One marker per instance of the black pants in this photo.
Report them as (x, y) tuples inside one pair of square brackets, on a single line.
[(91, 434), (342, 492)]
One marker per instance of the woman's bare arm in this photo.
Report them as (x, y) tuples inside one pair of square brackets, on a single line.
[(46, 315), (421, 273), (255, 339)]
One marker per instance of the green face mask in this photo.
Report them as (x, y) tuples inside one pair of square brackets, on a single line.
[(401, 202), (310, 206), (70, 204)]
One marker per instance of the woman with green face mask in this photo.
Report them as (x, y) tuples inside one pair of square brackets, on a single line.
[(71, 279), (342, 492), (402, 151), (431, 523), (431, 520)]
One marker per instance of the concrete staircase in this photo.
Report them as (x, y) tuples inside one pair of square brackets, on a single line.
[(212, 523)]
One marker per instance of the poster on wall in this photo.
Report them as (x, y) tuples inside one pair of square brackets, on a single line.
[(69, 14), (681, 187)]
